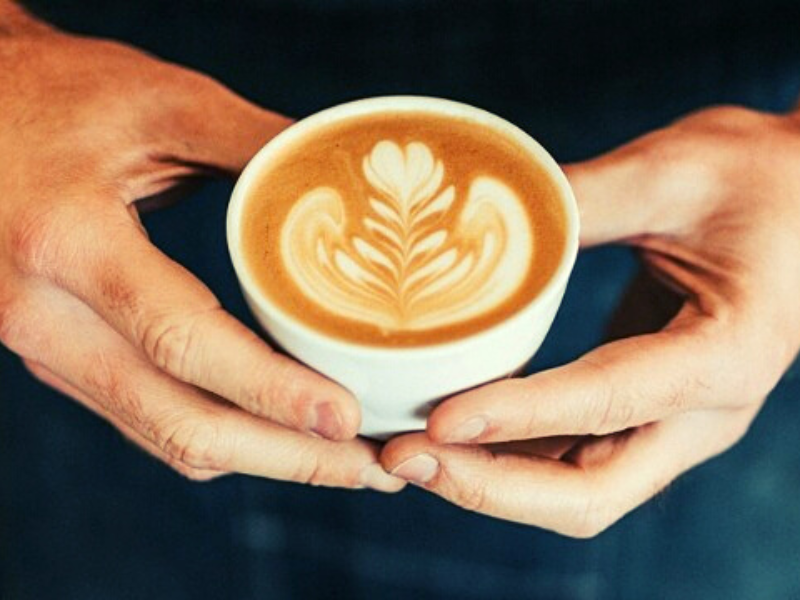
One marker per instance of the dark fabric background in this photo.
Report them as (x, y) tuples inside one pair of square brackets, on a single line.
[(84, 515)]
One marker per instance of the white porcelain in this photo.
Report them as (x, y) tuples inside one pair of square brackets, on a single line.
[(397, 387)]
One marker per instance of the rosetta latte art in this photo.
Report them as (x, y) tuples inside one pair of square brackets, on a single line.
[(413, 264)]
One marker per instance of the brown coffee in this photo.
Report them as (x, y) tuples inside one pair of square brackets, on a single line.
[(403, 228)]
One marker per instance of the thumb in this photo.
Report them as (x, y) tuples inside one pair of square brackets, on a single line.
[(212, 128), (615, 197)]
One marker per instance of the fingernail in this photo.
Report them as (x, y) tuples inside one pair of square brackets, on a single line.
[(418, 469), (327, 422), (468, 431), (374, 477)]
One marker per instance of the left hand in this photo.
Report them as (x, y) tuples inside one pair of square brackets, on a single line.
[(713, 204)]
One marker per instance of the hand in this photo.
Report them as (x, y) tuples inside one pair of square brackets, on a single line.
[(87, 128), (713, 205)]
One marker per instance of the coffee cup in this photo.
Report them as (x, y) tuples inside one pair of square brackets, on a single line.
[(387, 248)]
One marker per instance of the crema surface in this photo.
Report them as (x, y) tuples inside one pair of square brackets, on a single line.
[(403, 229)]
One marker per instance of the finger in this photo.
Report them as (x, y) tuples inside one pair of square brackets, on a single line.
[(608, 478), (177, 322), (207, 125), (52, 380), (648, 187), (602, 189), (620, 385), (185, 423)]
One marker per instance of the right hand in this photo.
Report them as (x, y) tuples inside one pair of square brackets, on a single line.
[(87, 128)]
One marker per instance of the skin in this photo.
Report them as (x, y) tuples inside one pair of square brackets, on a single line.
[(88, 129), (712, 203)]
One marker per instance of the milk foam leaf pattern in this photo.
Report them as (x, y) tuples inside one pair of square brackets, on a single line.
[(417, 260)]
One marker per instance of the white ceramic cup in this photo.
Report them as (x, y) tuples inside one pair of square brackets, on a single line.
[(397, 387)]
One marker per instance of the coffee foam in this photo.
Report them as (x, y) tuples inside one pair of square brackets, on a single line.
[(419, 263), (402, 229)]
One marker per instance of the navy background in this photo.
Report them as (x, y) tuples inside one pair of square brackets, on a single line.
[(85, 515)]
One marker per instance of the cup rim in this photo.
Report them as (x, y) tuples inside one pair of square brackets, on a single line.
[(402, 103)]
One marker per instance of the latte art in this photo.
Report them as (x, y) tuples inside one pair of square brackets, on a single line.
[(407, 269), (402, 229)]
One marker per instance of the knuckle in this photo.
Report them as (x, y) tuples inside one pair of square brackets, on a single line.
[(179, 89), (168, 341), (739, 426), (35, 369), (194, 84), (593, 516), (676, 398), (284, 396), (310, 471), (590, 526), (615, 414), (673, 169), (191, 473), (473, 496), (179, 467), (610, 412), (199, 82), (196, 444), (37, 239), (726, 118), (106, 379), (200, 476)]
